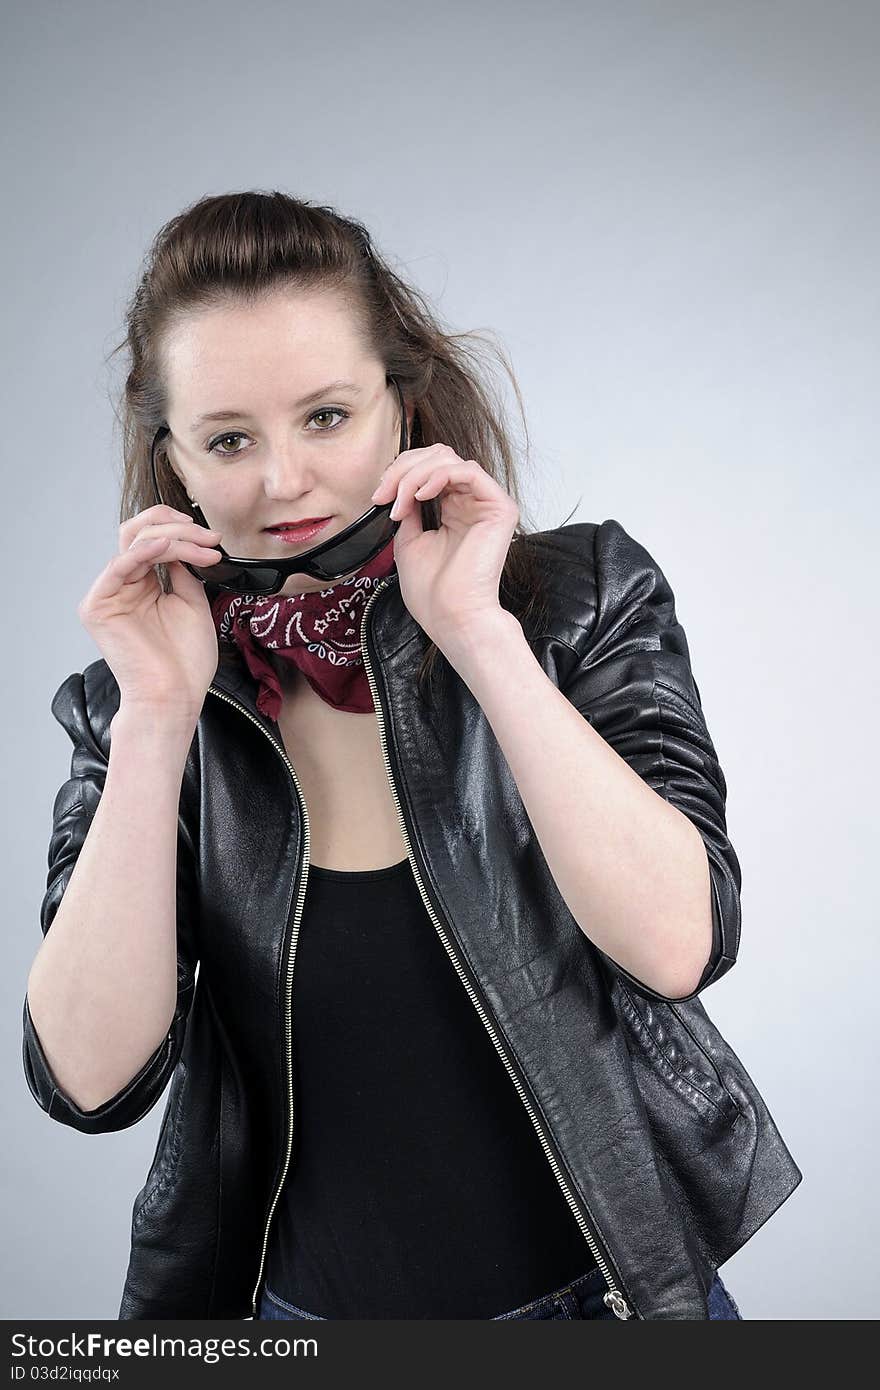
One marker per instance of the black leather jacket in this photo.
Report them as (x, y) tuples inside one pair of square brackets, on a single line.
[(656, 1134)]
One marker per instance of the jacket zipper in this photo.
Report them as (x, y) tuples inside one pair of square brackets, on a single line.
[(288, 1026), (613, 1299)]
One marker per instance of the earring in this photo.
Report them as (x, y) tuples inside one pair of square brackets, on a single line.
[(192, 503)]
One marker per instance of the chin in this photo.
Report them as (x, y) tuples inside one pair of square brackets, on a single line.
[(301, 584)]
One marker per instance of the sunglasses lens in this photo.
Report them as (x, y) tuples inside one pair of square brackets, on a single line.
[(358, 549), (238, 580)]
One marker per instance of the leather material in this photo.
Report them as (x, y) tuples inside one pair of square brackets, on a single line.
[(659, 1136)]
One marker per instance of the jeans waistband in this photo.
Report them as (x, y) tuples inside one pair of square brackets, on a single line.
[(591, 1279)]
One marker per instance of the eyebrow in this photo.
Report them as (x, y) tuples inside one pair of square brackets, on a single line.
[(297, 405)]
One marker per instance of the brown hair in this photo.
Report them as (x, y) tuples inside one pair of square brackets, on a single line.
[(237, 247)]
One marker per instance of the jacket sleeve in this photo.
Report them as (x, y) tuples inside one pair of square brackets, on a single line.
[(632, 679), (74, 809)]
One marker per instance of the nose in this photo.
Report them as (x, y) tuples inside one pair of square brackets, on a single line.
[(286, 472)]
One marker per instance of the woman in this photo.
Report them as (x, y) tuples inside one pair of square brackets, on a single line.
[(466, 786)]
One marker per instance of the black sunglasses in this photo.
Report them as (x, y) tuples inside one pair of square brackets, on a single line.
[(332, 559)]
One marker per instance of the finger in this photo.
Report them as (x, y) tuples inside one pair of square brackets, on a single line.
[(131, 566), (193, 551), (184, 529), (410, 458), (183, 583), (199, 555), (464, 476), (150, 515), (126, 567)]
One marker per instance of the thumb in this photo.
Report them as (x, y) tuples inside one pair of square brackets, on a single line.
[(185, 585), (410, 527)]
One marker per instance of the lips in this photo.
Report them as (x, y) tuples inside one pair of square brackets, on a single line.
[(307, 524), (298, 532)]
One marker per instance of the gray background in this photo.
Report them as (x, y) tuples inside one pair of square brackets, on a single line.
[(668, 214)]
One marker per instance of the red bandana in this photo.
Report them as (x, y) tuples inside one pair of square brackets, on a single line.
[(319, 632)]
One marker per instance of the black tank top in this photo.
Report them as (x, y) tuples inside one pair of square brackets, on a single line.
[(417, 1185)]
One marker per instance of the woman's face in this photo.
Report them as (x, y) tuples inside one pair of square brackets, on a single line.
[(275, 458)]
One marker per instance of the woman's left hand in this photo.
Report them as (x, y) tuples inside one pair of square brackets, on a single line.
[(449, 577)]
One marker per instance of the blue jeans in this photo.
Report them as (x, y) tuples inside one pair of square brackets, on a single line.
[(582, 1298)]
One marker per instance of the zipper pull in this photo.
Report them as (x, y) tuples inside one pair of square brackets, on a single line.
[(616, 1301)]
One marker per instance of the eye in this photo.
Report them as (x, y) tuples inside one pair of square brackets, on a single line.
[(214, 442), (328, 410), (227, 453)]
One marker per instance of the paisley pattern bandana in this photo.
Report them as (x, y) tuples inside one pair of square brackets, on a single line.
[(319, 632)]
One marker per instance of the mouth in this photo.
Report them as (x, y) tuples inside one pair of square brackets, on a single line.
[(291, 533)]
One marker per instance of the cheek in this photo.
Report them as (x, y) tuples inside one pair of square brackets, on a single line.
[(228, 499), (230, 511), (355, 464)]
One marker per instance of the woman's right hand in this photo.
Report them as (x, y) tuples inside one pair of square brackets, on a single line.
[(162, 648)]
